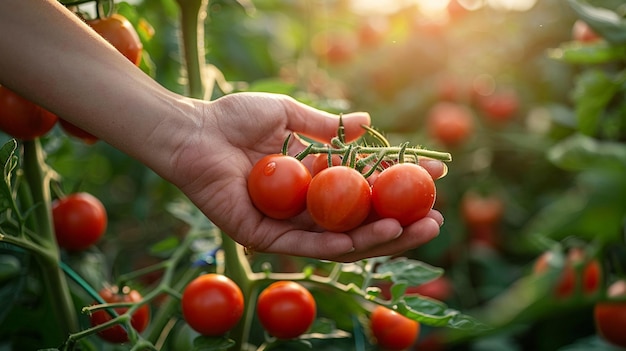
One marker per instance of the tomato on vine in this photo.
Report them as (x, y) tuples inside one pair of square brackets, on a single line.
[(118, 31), (278, 184), (588, 277), (339, 198), (21, 118), (450, 123), (139, 319), (404, 191), (610, 314), (391, 330), (286, 309), (80, 220), (212, 304)]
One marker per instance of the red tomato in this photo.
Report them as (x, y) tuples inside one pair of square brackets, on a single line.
[(21, 118), (588, 279), (77, 132), (80, 220), (500, 106), (581, 31), (139, 319), (392, 330), (404, 191), (278, 184), (286, 309), (212, 304), (479, 210), (450, 123), (372, 31), (339, 198), (320, 162), (610, 315), (118, 31)]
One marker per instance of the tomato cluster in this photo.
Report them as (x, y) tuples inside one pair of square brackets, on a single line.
[(139, 319), (340, 198), (579, 272)]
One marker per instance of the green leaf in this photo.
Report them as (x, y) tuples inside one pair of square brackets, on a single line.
[(412, 272), (578, 53), (434, 313), (204, 343), (607, 23), (190, 214), (594, 90), (580, 152)]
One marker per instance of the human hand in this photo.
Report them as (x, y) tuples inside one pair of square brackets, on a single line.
[(212, 164)]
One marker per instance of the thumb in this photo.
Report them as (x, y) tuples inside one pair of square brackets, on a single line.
[(322, 126)]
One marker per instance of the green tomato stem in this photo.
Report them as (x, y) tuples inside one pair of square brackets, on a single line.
[(192, 28), (37, 177)]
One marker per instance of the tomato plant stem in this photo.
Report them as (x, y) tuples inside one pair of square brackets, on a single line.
[(193, 13), (38, 178)]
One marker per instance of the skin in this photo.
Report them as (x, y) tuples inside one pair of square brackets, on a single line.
[(205, 148)]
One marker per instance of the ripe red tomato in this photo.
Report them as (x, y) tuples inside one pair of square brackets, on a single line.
[(212, 304), (77, 132), (23, 119), (404, 191), (118, 31), (610, 315), (139, 319), (286, 309), (392, 330), (320, 162), (581, 31), (480, 210), (339, 198), (450, 123), (499, 107), (80, 220), (278, 184)]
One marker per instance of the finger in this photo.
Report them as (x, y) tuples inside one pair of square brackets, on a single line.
[(414, 235), (325, 245), (436, 168), (320, 125)]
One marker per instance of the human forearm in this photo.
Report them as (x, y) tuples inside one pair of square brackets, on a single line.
[(58, 62)]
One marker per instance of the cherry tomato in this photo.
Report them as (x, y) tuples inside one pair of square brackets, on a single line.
[(139, 319), (118, 31), (610, 315), (500, 107), (479, 210), (77, 132), (286, 309), (277, 185), (80, 220), (589, 278), (320, 162), (212, 304), (450, 123), (404, 191), (339, 198), (23, 119), (392, 330), (581, 31)]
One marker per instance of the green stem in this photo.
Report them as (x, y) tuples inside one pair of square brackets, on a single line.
[(193, 13), (37, 177)]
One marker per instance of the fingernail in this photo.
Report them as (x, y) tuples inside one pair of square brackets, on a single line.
[(399, 233)]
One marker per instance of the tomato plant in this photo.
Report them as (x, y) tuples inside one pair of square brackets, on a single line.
[(286, 309), (392, 330), (339, 198), (450, 123), (139, 319), (577, 271), (212, 304), (118, 31), (610, 314), (278, 184), (80, 220), (23, 119), (404, 191)]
